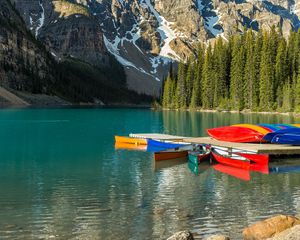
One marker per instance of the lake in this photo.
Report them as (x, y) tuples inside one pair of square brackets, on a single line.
[(61, 177)]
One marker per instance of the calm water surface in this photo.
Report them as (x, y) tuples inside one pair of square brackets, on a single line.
[(61, 177)]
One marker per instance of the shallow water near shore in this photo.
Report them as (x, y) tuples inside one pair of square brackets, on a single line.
[(61, 177)]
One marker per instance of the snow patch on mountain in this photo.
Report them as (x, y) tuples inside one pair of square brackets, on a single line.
[(167, 34), (41, 20), (113, 48), (210, 16)]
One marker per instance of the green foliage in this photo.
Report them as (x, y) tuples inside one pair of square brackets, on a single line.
[(255, 71)]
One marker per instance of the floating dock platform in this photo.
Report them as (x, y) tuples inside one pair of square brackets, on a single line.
[(157, 136), (257, 148)]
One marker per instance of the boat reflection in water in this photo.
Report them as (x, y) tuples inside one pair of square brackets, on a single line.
[(128, 146), (169, 163), (291, 165), (239, 173), (198, 168)]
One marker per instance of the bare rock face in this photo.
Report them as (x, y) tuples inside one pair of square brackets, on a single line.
[(77, 37), (24, 64), (269, 227), (292, 233), (183, 235), (145, 36), (218, 237)]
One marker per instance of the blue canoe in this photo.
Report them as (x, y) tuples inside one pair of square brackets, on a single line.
[(163, 145), (288, 138), (269, 136)]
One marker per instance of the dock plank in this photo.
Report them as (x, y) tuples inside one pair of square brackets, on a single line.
[(259, 148), (157, 136)]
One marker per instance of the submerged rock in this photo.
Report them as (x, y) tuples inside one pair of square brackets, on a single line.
[(218, 237), (269, 227), (182, 235), (288, 234)]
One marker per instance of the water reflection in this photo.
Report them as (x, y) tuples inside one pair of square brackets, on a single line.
[(65, 179)]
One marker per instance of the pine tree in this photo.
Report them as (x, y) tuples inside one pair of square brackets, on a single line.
[(196, 93), (297, 95), (266, 76), (250, 73), (207, 76), (287, 98), (281, 71), (181, 91), (189, 82), (166, 93), (220, 70), (237, 74)]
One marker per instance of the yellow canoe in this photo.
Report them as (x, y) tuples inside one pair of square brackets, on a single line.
[(253, 127), (136, 141)]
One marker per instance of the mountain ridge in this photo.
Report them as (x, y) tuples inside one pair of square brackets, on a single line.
[(146, 36)]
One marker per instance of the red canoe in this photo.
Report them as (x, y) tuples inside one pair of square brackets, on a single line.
[(236, 162), (236, 134), (255, 162)]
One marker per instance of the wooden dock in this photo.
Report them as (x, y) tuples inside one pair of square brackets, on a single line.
[(258, 148), (157, 136)]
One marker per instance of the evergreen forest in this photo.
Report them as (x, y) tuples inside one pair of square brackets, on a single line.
[(256, 71)]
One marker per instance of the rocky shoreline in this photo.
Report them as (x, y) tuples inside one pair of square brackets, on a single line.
[(280, 227)]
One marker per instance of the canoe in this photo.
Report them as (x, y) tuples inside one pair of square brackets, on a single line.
[(271, 127), (232, 161), (198, 156), (262, 159), (164, 144), (256, 128), (255, 162), (262, 168), (129, 146), (136, 141), (170, 154), (287, 138), (268, 137), (236, 134)]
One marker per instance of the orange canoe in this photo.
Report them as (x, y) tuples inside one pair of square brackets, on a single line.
[(130, 140), (168, 155), (129, 146)]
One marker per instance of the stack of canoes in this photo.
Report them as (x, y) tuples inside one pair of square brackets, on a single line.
[(250, 133)]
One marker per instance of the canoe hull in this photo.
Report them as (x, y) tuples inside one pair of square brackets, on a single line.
[(168, 155), (197, 157), (130, 140), (269, 137), (163, 145), (235, 134), (231, 162), (292, 139)]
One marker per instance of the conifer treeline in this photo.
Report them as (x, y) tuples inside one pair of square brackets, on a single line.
[(255, 71)]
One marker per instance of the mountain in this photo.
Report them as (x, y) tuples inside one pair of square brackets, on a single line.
[(31, 72), (145, 36)]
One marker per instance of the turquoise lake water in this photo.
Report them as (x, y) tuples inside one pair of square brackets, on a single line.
[(61, 178)]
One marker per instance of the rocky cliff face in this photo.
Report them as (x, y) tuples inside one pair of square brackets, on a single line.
[(146, 35), (22, 59)]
